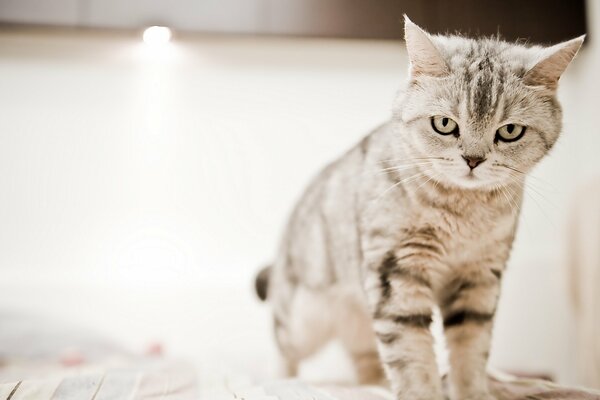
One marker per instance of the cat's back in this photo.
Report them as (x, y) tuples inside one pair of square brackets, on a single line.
[(321, 243)]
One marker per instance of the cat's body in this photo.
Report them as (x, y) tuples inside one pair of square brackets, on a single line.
[(319, 287), (401, 224)]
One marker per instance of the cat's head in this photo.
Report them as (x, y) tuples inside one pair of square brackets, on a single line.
[(479, 113)]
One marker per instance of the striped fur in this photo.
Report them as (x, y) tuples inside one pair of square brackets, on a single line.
[(400, 225)]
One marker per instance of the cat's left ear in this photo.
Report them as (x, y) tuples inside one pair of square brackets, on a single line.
[(557, 58), (424, 57)]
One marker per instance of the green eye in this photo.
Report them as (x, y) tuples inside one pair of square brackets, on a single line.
[(444, 125), (510, 132)]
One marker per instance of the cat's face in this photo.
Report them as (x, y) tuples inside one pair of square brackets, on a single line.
[(480, 113)]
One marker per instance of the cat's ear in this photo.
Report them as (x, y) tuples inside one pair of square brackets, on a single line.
[(548, 71), (424, 57)]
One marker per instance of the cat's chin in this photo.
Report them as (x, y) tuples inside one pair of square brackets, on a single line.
[(470, 182)]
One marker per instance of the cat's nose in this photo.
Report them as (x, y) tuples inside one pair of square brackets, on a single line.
[(473, 161)]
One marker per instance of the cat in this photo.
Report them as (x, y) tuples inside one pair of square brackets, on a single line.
[(420, 215)]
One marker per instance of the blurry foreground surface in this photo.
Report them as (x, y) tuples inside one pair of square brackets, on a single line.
[(44, 359)]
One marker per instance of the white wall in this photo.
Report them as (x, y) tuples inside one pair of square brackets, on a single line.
[(140, 189)]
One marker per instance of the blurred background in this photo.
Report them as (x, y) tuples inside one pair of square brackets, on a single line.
[(145, 175)]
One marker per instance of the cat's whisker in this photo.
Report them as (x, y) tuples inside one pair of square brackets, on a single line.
[(400, 182), (519, 177), (540, 196), (435, 182), (527, 176), (428, 180), (407, 165), (404, 167), (496, 188), (513, 197), (541, 208), (409, 159), (512, 168), (393, 186), (509, 198), (539, 181), (540, 184), (414, 177), (397, 168), (533, 190), (536, 187)]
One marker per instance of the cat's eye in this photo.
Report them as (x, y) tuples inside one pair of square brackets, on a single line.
[(444, 125), (510, 132)]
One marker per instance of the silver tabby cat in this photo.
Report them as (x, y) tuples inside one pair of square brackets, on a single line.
[(420, 215)]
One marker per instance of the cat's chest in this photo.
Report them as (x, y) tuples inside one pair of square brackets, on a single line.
[(476, 233)]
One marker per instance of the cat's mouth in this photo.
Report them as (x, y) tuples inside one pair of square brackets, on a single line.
[(477, 178), (473, 179), (471, 176)]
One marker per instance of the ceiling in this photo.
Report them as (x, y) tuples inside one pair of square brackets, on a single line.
[(542, 21), (243, 16)]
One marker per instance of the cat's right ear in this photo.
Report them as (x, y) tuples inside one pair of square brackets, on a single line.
[(424, 57)]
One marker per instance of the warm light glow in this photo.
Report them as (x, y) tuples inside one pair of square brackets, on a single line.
[(157, 35)]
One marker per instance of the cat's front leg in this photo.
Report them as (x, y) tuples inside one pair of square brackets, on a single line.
[(468, 308), (402, 300)]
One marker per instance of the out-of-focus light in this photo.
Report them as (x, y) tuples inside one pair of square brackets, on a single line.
[(154, 35)]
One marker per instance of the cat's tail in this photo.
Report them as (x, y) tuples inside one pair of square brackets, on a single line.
[(261, 284)]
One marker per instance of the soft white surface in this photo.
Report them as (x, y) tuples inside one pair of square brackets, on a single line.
[(140, 189)]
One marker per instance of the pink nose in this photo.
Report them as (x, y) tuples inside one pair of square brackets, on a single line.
[(473, 161)]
